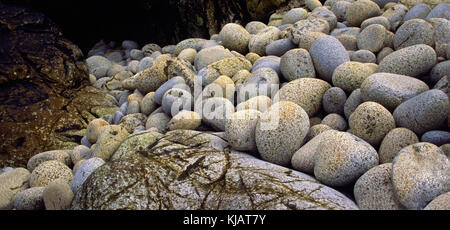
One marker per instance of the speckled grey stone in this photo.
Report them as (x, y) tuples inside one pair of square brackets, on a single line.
[(215, 112), (411, 61), (280, 47), (254, 27), (382, 3), (350, 75), (326, 14), (441, 29), (383, 53), (278, 141), (394, 141), (418, 11), (210, 55), (439, 71), (303, 159), (360, 11), (335, 121), (159, 121), (390, 90), (342, 158), (413, 32), (84, 172), (259, 42), (132, 121), (441, 202), (327, 54), (374, 190), (145, 63), (297, 63), (440, 11), (272, 62), (305, 92), (194, 43), (188, 55), (372, 38), (380, 20), (302, 27), (421, 172), (133, 107), (98, 66), (30, 199), (109, 140), (395, 15), (436, 137), (57, 196), (371, 122), (424, 112), (313, 4), (262, 82), (294, 15), (334, 100), (186, 120), (240, 130), (350, 42), (62, 156), (315, 130), (339, 9), (260, 103), (364, 56), (235, 37), (176, 100), (49, 171)]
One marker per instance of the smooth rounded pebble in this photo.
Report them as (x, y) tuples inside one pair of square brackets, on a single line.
[(176, 82), (30, 199), (350, 75), (343, 158), (281, 131), (421, 172), (294, 15), (94, 129), (371, 122), (148, 104), (439, 71), (410, 61), (372, 38), (424, 112), (390, 90), (187, 120), (395, 15), (383, 53), (62, 156), (210, 55), (413, 32), (259, 42), (254, 27), (440, 11), (361, 10), (326, 14), (108, 142), (327, 54), (159, 121), (334, 100), (272, 62), (302, 27), (380, 20), (188, 55), (84, 172), (80, 152), (260, 103), (240, 130), (303, 159), (216, 111), (363, 56), (339, 8), (297, 63), (394, 141), (335, 121), (315, 130), (418, 11), (57, 196), (49, 171), (436, 137), (305, 92), (176, 100), (235, 37), (441, 202), (280, 47), (374, 190), (262, 82)]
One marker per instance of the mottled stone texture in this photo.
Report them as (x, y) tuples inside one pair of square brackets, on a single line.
[(44, 98), (185, 171)]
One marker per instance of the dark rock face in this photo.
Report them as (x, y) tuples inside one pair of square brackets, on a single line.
[(44, 98), (163, 22), (190, 170)]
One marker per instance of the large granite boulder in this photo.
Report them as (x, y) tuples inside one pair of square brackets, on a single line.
[(45, 100), (190, 170)]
